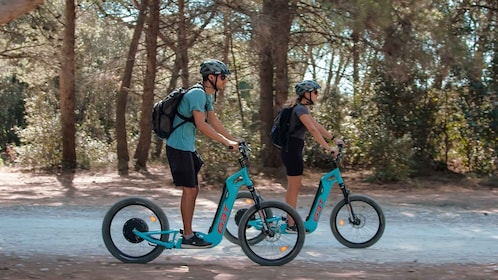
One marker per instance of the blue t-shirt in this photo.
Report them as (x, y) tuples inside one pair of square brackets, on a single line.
[(183, 138)]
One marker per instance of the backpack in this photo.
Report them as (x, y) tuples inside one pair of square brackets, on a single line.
[(164, 112), (280, 131)]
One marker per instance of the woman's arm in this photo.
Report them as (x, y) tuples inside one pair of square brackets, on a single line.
[(323, 130), (314, 128)]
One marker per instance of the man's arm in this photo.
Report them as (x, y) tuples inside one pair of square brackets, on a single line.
[(210, 131), (218, 126)]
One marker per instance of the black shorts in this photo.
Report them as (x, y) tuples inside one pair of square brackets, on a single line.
[(292, 157), (185, 167)]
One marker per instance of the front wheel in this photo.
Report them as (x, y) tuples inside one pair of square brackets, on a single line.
[(125, 216), (276, 247), (243, 202), (359, 224)]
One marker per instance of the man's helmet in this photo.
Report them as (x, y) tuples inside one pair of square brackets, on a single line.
[(305, 86), (213, 66)]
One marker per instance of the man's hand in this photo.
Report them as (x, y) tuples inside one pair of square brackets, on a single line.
[(232, 145)]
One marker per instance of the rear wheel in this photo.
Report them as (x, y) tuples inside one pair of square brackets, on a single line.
[(120, 221), (276, 247), (359, 224)]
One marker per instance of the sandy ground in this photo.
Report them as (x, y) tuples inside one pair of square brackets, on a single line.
[(18, 189)]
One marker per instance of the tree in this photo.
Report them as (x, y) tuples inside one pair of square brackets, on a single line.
[(67, 83), (143, 146), (421, 72), (10, 10), (121, 135), (272, 29)]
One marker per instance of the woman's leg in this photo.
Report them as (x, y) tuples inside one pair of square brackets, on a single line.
[(293, 187)]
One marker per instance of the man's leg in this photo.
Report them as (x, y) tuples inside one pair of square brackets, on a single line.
[(187, 207)]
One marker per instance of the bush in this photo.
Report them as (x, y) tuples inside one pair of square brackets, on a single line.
[(391, 157)]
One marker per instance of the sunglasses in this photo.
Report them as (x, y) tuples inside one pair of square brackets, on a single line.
[(223, 77), (315, 92)]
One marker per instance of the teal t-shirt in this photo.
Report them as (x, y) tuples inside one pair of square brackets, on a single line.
[(183, 138)]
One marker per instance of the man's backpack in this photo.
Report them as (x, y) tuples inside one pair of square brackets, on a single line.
[(280, 131), (164, 112)]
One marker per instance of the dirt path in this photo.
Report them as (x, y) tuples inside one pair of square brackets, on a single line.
[(85, 192)]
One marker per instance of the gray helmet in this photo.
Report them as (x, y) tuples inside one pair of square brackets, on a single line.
[(213, 66), (305, 86)]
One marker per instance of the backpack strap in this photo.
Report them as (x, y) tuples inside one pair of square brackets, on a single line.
[(184, 118), (291, 130)]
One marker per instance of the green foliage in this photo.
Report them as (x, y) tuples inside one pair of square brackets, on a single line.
[(423, 92), (12, 114), (374, 145), (94, 153), (392, 157), (478, 140), (41, 139)]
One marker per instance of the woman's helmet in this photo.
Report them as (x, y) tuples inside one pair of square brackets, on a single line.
[(305, 86), (215, 67)]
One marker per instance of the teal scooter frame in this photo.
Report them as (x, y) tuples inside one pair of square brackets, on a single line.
[(136, 230), (356, 221)]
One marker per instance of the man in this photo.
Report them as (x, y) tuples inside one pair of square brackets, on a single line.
[(184, 161)]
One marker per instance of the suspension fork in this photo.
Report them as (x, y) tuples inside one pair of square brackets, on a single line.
[(257, 202), (346, 192)]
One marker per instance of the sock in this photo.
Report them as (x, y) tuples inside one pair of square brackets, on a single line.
[(188, 236)]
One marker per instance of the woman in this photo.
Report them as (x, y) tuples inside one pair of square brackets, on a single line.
[(292, 154)]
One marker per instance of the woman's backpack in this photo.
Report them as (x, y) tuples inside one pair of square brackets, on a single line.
[(280, 131)]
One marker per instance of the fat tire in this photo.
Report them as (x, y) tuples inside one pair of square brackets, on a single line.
[(106, 229)]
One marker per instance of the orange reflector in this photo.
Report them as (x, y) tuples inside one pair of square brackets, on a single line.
[(341, 222), (152, 219), (248, 201), (283, 248)]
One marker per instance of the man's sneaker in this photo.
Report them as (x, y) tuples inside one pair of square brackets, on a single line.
[(195, 242), (291, 229)]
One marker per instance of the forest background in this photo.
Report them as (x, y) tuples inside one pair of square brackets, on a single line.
[(411, 86)]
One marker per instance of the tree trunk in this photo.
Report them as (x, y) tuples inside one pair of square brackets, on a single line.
[(273, 40), (121, 138), (182, 47), (282, 14), (227, 35), (355, 36), (263, 35), (66, 94), (144, 140), (10, 10)]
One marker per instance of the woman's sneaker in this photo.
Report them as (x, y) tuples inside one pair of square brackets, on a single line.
[(195, 242), (291, 229)]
